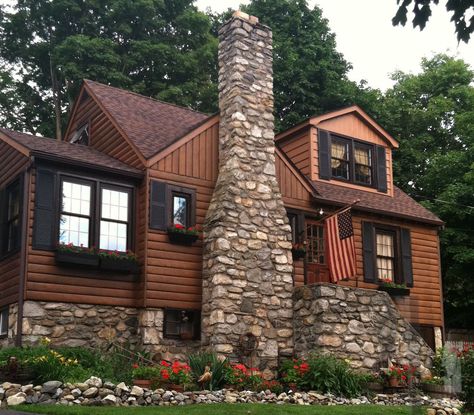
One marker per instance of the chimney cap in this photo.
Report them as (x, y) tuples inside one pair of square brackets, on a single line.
[(245, 16)]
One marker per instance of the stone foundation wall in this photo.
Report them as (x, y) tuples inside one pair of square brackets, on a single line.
[(12, 325), (362, 325)]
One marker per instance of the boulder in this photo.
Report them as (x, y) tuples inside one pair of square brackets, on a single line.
[(16, 399), (51, 386)]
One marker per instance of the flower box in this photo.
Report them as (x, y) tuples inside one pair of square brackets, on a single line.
[(126, 266), (83, 259), (182, 238), (298, 253), (395, 291)]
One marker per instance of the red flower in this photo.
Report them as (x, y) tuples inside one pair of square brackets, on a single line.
[(178, 226), (164, 374), (164, 363), (135, 366)]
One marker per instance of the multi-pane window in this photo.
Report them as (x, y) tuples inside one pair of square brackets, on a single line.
[(11, 233), (75, 215), (114, 220), (181, 324), (362, 164), (95, 214), (4, 322), (293, 219), (352, 161), (385, 245), (180, 209), (315, 244), (340, 159)]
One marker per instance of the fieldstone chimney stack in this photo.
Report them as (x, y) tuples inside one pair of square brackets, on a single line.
[(247, 279)]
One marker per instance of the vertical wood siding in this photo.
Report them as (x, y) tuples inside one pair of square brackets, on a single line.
[(12, 163), (103, 134)]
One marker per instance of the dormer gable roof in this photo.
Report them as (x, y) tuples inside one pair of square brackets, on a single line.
[(352, 110)]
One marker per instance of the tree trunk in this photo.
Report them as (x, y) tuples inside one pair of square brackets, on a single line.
[(56, 100)]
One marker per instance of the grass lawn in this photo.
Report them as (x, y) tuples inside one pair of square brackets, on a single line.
[(227, 409)]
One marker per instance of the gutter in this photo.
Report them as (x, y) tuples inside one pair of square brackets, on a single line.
[(23, 253), (91, 166)]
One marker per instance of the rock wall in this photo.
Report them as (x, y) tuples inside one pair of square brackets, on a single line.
[(247, 266), (9, 340), (362, 325)]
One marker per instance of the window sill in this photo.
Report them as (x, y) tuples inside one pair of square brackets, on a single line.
[(395, 291)]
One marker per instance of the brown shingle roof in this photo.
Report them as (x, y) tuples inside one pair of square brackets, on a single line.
[(74, 152), (400, 205), (151, 125)]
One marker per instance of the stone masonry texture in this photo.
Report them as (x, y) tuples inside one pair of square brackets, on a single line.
[(362, 325), (247, 265)]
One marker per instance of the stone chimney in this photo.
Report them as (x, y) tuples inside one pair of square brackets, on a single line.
[(247, 268)]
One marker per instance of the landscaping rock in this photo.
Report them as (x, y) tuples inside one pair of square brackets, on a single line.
[(137, 391), (16, 399), (94, 382), (51, 386), (90, 393), (109, 400)]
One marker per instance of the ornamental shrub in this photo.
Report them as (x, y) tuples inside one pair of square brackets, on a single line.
[(324, 373), (467, 378), (198, 363), (241, 377)]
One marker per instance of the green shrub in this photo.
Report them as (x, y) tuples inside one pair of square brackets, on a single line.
[(198, 363), (324, 373), (467, 378)]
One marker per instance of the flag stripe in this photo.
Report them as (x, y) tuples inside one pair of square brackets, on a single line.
[(341, 247)]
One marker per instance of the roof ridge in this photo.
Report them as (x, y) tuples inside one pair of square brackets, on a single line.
[(146, 97)]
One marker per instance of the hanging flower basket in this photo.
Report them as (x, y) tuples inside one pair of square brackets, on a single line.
[(298, 251), (178, 234), (76, 256)]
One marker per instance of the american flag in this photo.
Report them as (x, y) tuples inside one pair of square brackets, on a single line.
[(341, 248)]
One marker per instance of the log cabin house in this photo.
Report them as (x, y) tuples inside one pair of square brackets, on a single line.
[(129, 166)]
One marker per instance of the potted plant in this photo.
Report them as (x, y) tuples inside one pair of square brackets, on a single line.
[(178, 234), (392, 288), (70, 254), (400, 376), (298, 251), (144, 376), (174, 376), (125, 262)]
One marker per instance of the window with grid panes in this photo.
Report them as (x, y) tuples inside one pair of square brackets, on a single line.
[(362, 164), (340, 159), (315, 244), (386, 254)]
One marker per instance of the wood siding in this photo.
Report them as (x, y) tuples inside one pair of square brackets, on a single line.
[(103, 135), (298, 151), (174, 272), (12, 164), (47, 281), (424, 304)]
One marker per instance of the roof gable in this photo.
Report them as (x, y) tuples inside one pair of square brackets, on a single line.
[(148, 124)]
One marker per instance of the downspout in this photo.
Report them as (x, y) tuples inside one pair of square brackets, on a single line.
[(23, 252)]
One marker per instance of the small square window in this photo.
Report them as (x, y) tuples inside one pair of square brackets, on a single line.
[(4, 322), (182, 324)]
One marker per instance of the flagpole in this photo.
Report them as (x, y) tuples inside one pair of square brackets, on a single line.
[(339, 210)]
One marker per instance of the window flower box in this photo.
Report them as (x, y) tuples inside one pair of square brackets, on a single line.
[(393, 289), (76, 256), (178, 234), (126, 263), (298, 251)]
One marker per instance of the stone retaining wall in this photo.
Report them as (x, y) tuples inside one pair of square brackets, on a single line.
[(362, 325)]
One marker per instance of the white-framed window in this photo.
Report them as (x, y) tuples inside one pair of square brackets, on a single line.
[(4, 321)]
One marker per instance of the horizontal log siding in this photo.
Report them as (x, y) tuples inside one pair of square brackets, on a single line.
[(103, 134), (48, 282), (12, 163), (174, 272), (424, 304)]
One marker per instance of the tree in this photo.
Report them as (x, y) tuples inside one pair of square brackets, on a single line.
[(432, 116), (460, 9), (310, 75), (161, 48)]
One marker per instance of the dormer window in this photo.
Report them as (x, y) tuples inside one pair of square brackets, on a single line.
[(353, 161), (81, 135)]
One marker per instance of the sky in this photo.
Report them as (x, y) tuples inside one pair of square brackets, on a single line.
[(367, 39)]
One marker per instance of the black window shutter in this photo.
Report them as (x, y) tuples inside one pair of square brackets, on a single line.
[(407, 269), (381, 169), (2, 220), (158, 211), (300, 228), (368, 247), (324, 156), (46, 206)]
